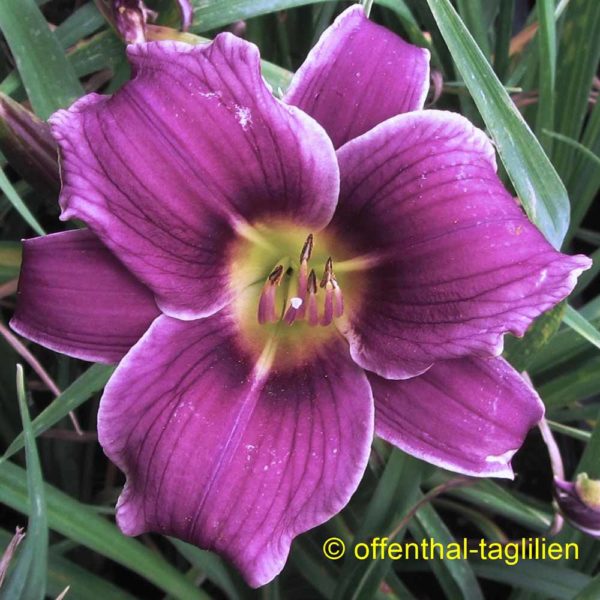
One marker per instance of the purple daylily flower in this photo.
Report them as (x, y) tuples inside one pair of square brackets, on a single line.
[(280, 280)]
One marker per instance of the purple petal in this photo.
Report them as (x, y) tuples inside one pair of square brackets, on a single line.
[(358, 75), (76, 298), (190, 151), (226, 456), (468, 415), (455, 261)]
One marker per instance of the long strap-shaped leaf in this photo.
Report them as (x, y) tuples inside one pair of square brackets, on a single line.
[(540, 189), (81, 524), (48, 77)]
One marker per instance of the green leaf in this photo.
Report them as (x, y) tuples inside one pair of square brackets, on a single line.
[(48, 77), (471, 12), (584, 181), (547, 70), (580, 52), (396, 491), (455, 576), (92, 381), (550, 580), (503, 37), (540, 189), (520, 352), (81, 524), (83, 585), (212, 14), (578, 383), (582, 326), (7, 187), (27, 580), (212, 565)]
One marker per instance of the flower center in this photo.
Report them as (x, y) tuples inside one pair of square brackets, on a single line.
[(288, 286), (299, 300)]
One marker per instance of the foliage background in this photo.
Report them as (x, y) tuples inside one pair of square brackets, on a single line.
[(540, 56)]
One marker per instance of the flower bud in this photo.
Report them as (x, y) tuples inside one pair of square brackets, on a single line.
[(28, 146), (579, 502)]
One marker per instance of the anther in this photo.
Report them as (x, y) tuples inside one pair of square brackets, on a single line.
[(267, 312), (305, 255), (307, 249), (333, 306), (327, 273)]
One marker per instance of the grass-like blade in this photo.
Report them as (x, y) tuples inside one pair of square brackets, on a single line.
[(550, 580), (47, 75), (582, 326), (27, 580), (537, 184), (455, 576), (78, 522), (83, 585), (396, 492), (213, 566), (92, 381), (579, 50), (547, 70), (9, 191)]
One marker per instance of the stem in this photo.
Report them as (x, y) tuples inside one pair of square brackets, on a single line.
[(367, 5)]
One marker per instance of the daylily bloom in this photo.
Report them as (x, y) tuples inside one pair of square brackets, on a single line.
[(280, 280), (579, 502), (130, 17)]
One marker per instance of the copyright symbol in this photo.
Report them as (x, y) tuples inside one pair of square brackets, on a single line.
[(334, 548)]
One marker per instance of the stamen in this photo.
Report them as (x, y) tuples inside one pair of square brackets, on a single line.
[(303, 272), (328, 307), (292, 312), (334, 301), (267, 312), (327, 273), (338, 301), (312, 308)]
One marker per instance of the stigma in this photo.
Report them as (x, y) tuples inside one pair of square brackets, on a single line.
[(291, 295)]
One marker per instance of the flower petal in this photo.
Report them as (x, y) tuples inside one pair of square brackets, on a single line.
[(76, 298), (455, 261), (225, 456), (468, 415), (191, 150), (358, 75)]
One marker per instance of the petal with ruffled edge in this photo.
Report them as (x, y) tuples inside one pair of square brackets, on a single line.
[(467, 415), (454, 261), (221, 454), (75, 297), (186, 154), (358, 75)]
